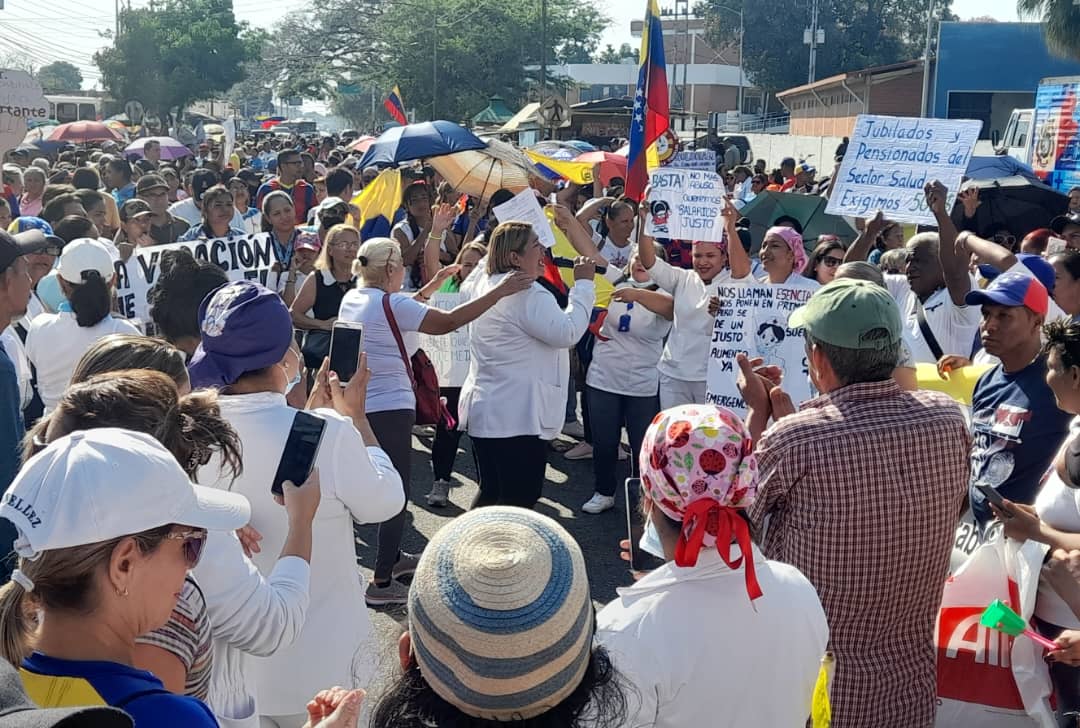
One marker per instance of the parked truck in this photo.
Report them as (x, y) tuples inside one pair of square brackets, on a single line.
[(1047, 137)]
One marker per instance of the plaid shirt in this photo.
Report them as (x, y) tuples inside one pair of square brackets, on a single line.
[(864, 487)]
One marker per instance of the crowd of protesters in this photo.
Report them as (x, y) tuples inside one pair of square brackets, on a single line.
[(801, 551)]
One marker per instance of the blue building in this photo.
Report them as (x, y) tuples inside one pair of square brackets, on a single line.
[(985, 70)]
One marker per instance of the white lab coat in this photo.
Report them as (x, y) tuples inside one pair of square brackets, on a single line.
[(520, 363), (698, 653), (358, 483)]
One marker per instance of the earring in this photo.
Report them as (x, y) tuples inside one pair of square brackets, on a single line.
[(122, 593)]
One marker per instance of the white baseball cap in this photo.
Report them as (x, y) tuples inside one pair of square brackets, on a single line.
[(97, 485), (85, 254)]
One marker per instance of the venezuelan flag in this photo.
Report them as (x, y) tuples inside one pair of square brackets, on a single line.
[(379, 203), (578, 172), (395, 106), (651, 114)]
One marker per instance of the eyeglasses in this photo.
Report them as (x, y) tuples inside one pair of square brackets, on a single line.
[(831, 262), (346, 244), (193, 543)]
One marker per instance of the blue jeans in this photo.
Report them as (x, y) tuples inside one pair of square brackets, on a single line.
[(609, 414)]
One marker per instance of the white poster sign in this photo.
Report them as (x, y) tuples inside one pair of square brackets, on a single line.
[(695, 159), (686, 204), (242, 258), (449, 353), (890, 159), (524, 207), (21, 101), (753, 320)]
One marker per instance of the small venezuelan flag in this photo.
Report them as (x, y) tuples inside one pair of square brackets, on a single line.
[(395, 106), (651, 113)]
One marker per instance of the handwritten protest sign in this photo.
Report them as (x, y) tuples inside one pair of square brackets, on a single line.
[(753, 320), (889, 160), (686, 204), (242, 258), (21, 101), (450, 353), (695, 159), (524, 207)]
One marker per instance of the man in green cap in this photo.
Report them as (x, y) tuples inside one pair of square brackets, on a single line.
[(871, 531)]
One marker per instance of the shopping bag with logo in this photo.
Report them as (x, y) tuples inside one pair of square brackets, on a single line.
[(985, 678)]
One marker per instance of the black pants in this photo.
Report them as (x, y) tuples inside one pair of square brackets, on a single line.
[(393, 429), (445, 445), (511, 470), (610, 413), (1065, 678)]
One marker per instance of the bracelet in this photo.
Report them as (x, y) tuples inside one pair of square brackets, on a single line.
[(422, 297), (440, 238)]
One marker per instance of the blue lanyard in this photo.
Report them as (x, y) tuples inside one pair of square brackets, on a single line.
[(283, 253)]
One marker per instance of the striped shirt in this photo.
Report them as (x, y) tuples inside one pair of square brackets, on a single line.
[(864, 488), (187, 636)]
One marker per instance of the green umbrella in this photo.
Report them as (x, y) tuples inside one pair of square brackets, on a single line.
[(809, 210)]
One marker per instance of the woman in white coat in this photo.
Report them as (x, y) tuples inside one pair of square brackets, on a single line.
[(513, 400)]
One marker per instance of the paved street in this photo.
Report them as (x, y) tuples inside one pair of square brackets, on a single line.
[(569, 484)]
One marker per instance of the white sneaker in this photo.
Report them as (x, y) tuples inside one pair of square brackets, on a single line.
[(598, 503), (581, 451), (574, 429)]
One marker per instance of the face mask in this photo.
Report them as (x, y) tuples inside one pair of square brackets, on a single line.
[(650, 541), (636, 284), (292, 383), (296, 379)]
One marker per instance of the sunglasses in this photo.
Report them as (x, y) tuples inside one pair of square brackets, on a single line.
[(193, 543), (831, 262)]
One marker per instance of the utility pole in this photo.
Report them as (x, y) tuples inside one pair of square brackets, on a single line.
[(434, 68), (926, 61), (543, 56), (813, 37), (117, 19)]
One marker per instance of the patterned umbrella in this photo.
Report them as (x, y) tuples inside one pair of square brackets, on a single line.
[(170, 148), (84, 132), (481, 172)]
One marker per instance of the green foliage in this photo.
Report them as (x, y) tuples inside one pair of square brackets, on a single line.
[(611, 55), (1061, 23), (858, 34), (60, 76), (174, 52), (482, 48)]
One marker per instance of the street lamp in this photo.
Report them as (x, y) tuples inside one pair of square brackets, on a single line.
[(741, 32)]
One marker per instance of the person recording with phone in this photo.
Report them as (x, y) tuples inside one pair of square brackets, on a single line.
[(390, 319), (247, 351), (662, 631)]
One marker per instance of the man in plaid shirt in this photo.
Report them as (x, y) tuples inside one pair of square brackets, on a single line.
[(872, 533)]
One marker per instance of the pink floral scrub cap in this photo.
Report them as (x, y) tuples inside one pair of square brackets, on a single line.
[(698, 468), (795, 242)]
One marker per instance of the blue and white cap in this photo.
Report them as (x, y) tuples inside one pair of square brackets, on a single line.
[(500, 615)]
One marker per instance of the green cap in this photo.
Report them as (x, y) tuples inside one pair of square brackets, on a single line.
[(844, 312)]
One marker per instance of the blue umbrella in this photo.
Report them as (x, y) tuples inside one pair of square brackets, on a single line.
[(998, 167), (417, 141)]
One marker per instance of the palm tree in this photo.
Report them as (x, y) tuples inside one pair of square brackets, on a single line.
[(1061, 23)]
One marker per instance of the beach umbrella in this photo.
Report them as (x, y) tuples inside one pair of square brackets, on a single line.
[(419, 141), (480, 172), (611, 165), (170, 148), (809, 210), (361, 144), (84, 132)]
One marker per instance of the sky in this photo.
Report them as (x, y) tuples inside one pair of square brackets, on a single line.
[(69, 29)]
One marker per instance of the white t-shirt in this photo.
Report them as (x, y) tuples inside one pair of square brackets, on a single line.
[(954, 327), (56, 342), (389, 388), (626, 363), (686, 355), (1058, 506), (617, 258)]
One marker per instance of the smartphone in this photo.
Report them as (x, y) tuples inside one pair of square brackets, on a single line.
[(990, 493), (346, 338), (635, 527), (300, 449), (562, 262)]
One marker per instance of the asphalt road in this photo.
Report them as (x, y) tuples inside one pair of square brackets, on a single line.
[(568, 484)]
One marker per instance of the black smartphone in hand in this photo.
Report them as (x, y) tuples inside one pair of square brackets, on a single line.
[(346, 340), (635, 527), (301, 447)]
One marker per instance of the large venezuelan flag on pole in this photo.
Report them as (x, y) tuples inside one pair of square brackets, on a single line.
[(395, 106), (651, 115)]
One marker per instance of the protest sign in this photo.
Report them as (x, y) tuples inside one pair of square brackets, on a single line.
[(524, 207), (21, 101), (242, 258), (890, 159), (686, 204), (753, 320), (696, 159), (449, 353)]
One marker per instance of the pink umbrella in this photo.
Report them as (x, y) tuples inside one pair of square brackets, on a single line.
[(361, 144), (611, 165), (170, 148), (84, 132)]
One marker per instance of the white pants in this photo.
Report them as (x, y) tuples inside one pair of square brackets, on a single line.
[(676, 392)]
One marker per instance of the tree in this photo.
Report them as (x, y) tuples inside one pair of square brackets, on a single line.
[(172, 53), (465, 50), (254, 94), (858, 34), (1061, 23), (60, 76), (610, 55)]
